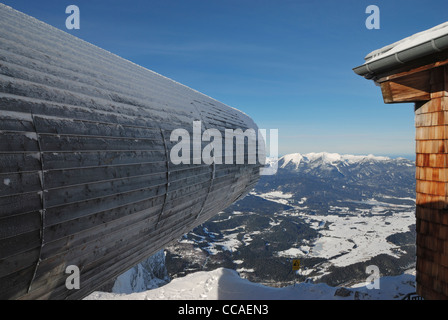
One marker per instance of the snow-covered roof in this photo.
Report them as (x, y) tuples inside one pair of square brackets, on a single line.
[(416, 39), (409, 49)]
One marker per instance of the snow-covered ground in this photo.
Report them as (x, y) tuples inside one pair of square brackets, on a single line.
[(226, 284), (349, 236), (357, 238), (276, 196), (346, 236)]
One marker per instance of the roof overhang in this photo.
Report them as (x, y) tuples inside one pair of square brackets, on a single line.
[(412, 69), (405, 52)]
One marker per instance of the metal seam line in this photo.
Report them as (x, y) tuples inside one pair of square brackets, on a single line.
[(398, 59), (167, 178), (213, 168), (433, 44), (42, 212)]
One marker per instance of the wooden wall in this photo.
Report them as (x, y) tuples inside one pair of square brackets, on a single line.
[(427, 86), (85, 172), (431, 121)]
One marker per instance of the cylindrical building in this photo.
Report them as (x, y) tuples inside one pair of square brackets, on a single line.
[(86, 177)]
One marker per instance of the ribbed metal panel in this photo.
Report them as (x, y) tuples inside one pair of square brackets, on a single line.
[(85, 174)]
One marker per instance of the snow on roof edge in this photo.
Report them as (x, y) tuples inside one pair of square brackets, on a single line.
[(409, 42)]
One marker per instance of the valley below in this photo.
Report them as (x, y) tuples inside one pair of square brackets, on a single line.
[(337, 214)]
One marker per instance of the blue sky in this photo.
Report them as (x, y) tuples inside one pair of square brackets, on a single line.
[(286, 63)]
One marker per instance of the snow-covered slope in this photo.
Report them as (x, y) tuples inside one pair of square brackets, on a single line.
[(149, 274), (226, 284)]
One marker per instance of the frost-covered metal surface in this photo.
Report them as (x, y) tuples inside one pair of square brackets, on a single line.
[(85, 176)]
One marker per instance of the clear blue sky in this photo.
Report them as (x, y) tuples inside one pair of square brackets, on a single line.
[(286, 63)]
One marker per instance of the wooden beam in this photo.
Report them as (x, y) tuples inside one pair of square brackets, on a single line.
[(410, 88), (417, 85)]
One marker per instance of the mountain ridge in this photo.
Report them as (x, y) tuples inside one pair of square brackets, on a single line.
[(327, 158)]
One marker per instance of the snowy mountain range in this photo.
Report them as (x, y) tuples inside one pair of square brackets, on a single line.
[(325, 158), (330, 177), (337, 213)]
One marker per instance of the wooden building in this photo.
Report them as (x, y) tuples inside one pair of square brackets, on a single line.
[(86, 177), (415, 70)]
